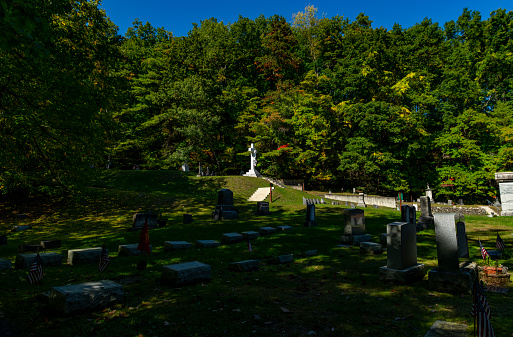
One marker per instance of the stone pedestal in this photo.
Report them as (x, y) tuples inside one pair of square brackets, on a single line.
[(505, 180), (361, 200), (458, 281), (403, 276)]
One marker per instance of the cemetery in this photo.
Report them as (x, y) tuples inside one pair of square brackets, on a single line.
[(305, 268)]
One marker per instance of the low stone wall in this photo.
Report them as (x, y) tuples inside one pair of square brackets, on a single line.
[(459, 209), (368, 200)]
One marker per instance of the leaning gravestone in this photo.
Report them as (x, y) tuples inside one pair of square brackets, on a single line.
[(402, 266), (450, 276), (310, 216), (186, 273), (224, 208), (139, 219), (85, 296), (426, 219)]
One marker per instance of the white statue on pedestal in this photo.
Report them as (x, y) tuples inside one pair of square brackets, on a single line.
[(252, 171)]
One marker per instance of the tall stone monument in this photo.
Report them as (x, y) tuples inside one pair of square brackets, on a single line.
[(252, 171), (426, 218), (310, 216), (505, 180), (402, 266), (450, 276), (429, 193), (185, 167)]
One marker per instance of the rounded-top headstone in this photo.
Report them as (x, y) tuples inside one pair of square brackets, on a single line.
[(225, 197)]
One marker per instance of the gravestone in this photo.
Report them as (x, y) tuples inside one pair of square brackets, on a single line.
[(409, 214), (304, 201), (361, 200), (282, 259), (25, 261), (426, 219), (284, 228), (505, 180), (250, 235), (310, 216), (461, 235), (449, 202), (187, 219), (444, 329), (253, 161), (29, 248), (224, 208), (200, 170), (5, 264), (450, 276), (84, 256), (460, 202), (139, 219), (51, 244), (82, 297), (129, 250), (429, 194), (207, 243), (186, 273), (229, 238), (20, 228), (354, 222), (353, 206), (170, 246), (242, 266), (262, 208), (370, 248), (402, 266), (266, 230), (185, 167)]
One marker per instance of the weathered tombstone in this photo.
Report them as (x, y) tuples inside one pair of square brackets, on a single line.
[(187, 219), (354, 222), (250, 235), (443, 328), (262, 208), (29, 248), (361, 200), (449, 202), (426, 218), (207, 243), (322, 201), (186, 273), (229, 238), (208, 171), (402, 266), (461, 235), (429, 194), (170, 246), (3, 240), (505, 180), (85, 296), (266, 230), (450, 276), (409, 214), (248, 265), (304, 201), (371, 248), (25, 261), (353, 206), (84, 256), (200, 170), (224, 208), (129, 250), (51, 244), (310, 216), (139, 219), (5, 264)]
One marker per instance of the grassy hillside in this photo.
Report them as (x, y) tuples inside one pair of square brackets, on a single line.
[(336, 292)]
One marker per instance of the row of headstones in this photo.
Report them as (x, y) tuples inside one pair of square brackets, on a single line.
[(307, 201)]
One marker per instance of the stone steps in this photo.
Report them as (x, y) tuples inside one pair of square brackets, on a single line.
[(260, 194)]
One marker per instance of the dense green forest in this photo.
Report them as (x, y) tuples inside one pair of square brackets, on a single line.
[(339, 103)]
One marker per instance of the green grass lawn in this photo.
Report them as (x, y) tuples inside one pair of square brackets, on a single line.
[(335, 293)]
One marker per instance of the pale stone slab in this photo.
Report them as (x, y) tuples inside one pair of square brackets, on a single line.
[(84, 256), (403, 276), (24, 261), (5, 264), (176, 245), (267, 230), (444, 329), (129, 250), (186, 273), (281, 259), (208, 243), (248, 265), (229, 238), (447, 241), (284, 228), (85, 296), (401, 245), (250, 235), (370, 248)]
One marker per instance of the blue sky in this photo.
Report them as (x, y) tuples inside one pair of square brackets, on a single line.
[(178, 16)]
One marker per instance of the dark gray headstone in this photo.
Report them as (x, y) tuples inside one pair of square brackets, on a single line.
[(248, 265), (129, 250), (25, 261), (408, 214), (461, 234), (401, 245), (225, 197), (186, 273), (29, 248), (310, 216), (170, 246), (5, 264), (141, 218), (447, 241), (262, 208), (229, 238)]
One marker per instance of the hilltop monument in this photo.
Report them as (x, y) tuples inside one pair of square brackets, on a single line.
[(252, 171)]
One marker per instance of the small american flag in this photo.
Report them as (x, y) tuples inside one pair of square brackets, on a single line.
[(484, 253), (480, 300), (483, 325), (104, 259), (36, 270), (499, 244)]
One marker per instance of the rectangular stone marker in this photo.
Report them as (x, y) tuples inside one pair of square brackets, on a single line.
[(447, 241), (401, 245), (461, 234), (284, 228), (310, 216), (225, 197), (186, 273), (370, 248), (51, 244), (267, 230), (85, 296), (5, 264), (281, 259), (229, 238), (248, 265), (29, 248), (170, 246), (250, 235), (408, 214), (187, 219), (129, 250), (25, 261), (354, 221), (262, 208), (84, 256), (208, 243), (140, 219)]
